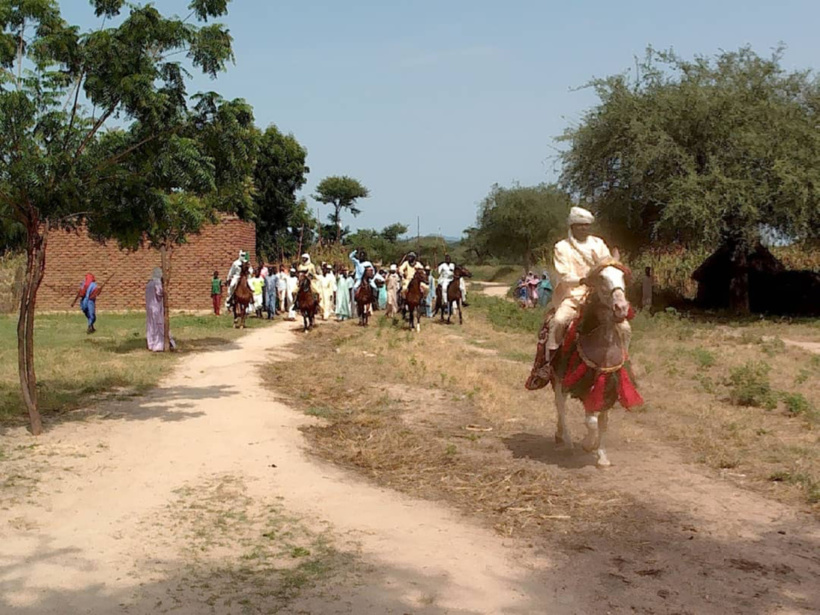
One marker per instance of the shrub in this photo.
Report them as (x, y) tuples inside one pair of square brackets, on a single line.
[(796, 403), (704, 358), (750, 385)]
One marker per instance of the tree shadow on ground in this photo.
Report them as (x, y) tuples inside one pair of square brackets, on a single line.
[(184, 346), (167, 404), (356, 588), (656, 554)]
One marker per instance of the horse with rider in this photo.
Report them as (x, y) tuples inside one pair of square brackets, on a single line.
[(583, 347)]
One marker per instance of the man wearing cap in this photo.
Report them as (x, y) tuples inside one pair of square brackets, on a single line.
[(309, 269), (574, 257), (328, 292), (233, 276)]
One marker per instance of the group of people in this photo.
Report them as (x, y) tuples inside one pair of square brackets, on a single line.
[(90, 290), (532, 291), (275, 288)]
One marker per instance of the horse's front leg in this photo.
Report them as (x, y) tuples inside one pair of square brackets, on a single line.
[(592, 439), (460, 318), (562, 433), (603, 424)]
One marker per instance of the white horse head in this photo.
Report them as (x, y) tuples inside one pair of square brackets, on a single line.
[(609, 279)]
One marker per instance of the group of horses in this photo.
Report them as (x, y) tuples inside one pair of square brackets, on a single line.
[(413, 298), (308, 303)]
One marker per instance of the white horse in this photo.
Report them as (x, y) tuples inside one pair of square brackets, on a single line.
[(602, 346)]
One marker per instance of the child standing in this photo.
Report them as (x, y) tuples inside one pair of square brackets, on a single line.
[(216, 292)]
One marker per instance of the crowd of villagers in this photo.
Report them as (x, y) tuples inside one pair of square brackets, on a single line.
[(275, 288)]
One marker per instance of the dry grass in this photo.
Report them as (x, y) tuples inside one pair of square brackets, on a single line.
[(440, 416), (399, 410), (743, 402), (74, 369)]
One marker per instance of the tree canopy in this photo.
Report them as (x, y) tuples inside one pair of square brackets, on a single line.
[(701, 151), (519, 221), (341, 193), (280, 172), (60, 87)]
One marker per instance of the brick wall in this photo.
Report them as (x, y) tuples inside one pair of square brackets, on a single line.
[(72, 254)]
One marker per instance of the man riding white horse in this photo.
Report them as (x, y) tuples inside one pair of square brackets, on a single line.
[(574, 257)]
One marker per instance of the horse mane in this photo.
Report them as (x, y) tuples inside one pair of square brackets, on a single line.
[(610, 262)]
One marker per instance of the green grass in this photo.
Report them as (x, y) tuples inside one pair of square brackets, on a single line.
[(750, 385), (73, 367), (506, 315)]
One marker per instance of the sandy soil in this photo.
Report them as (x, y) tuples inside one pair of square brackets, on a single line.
[(492, 289), (118, 519), (95, 535)]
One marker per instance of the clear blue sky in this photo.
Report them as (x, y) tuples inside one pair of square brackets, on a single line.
[(430, 102)]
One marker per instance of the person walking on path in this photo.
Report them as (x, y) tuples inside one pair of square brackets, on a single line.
[(343, 286), (393, 287), (257, 284), (216, 292), (88, 301), (271, 293)]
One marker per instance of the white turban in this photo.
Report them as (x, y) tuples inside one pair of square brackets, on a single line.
[(393, 268), (156, 274), (579, 215), (306, 256)]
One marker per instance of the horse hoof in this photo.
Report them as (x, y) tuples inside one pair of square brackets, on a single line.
[(603, 462), (559, 439)]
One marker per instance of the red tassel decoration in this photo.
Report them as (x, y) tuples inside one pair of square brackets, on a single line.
[(594, 401), (572, 377), (627, 393)]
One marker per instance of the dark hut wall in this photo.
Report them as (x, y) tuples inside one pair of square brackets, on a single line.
[(72, 254), (772, 288)]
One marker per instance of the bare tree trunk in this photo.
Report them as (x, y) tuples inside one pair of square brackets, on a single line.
[(338, 224), (301, 237), (35, 265), (165, 262)]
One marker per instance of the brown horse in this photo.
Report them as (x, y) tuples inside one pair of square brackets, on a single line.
[(307, 302), (364, 298), (454, 295), (242, 298), (413, 297)]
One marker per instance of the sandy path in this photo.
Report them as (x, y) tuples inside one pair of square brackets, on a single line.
[(492, 289), (96, 536)]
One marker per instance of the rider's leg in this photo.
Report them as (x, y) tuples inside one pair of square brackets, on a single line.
[(561, 321)]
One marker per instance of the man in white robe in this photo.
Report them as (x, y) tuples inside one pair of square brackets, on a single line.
[(328, 293), (574, 257)]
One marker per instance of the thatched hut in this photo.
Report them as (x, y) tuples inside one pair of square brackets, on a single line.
[(771, 288)]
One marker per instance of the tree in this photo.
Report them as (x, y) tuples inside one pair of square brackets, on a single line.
[(392, 233), (170, 188), (59, 87), (280, 172), (341, 192), (516, 222), (708, 151)]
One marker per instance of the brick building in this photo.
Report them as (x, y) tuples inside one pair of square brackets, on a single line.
[(72, 254)]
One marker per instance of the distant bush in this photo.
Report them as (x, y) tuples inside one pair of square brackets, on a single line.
[(796, 403), (704, 358), (750, 386)]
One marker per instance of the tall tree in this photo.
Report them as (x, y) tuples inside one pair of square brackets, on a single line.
[(280, 172), (59, 87), (341, 193), (708, 151), (516, 222), (171, 187)]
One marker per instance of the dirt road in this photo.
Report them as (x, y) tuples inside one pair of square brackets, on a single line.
[(201, 498), (116, 519)]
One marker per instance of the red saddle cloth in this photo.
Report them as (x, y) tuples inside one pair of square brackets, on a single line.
[(597, 388)]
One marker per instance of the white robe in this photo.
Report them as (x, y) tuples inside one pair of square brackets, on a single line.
[(328, 288), (445, 276), (573, 261)]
